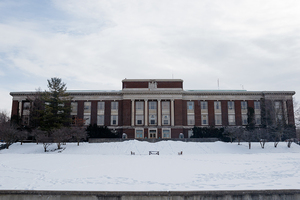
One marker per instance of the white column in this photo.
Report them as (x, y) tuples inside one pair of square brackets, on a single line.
[(146, 112), (285, 112), (172, 112), (20, 108), (132, 112), (158, 113)]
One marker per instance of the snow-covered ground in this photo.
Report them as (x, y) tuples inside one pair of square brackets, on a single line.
[(111, 167)]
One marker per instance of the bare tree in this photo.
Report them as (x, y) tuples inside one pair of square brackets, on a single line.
[(296, 107), (37, 134), (250, 136), (238, 133), (43, 137), (22, 135), (3, 117), (61, 135), (262, 135), (228, 132), (78, 133), (234, 132), (8, 133)]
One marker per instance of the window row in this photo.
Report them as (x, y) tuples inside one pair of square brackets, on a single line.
[(87, 108), (230, 105), (218, 119), (152, 133)]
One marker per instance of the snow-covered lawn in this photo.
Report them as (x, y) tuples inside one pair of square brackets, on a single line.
[(111, 167)]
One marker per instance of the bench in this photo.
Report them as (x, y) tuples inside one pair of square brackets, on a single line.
[(154, 152)]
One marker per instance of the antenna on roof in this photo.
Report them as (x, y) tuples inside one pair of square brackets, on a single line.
[(218, 84), (172, 76)]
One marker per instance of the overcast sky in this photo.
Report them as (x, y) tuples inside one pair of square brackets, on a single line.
[(94, 44)]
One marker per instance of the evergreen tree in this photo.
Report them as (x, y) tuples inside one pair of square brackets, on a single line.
[(57, 108)]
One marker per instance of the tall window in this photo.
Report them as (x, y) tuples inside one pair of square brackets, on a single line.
[(230, 105), (26, 113), (204, 113), (139, 119), (87, 113), (278, 111), (256, 105), (165, 105), (218, 113), (114, 113), (244, 119), (218, 119), (257, 111), (244, 111), (204, 119), (190, 113), (231, 119), (258, 119), (244, 105), (231, 113), (204, 105), (114, 120), (217, 105), (190, 105), (100, 113), (152, 112), (114, 105), (74, 106), (139, 112)]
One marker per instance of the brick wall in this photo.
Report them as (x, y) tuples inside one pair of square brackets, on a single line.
[(126, 112), (184, 113), (135, 85), (165, 84), (80, 109), (197, 113), (107, 113), (211, 113), (94, 112), (15, 108), (290, 112), (224, 107), (178, 110)]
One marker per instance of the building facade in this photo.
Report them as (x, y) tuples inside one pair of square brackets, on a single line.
[(161, 108)]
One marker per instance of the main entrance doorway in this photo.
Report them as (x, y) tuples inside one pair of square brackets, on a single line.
[(152, 134)]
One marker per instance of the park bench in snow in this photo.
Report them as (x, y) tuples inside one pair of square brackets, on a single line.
[(154, 152)]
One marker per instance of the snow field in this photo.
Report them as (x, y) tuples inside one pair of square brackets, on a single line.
[(110, 167)]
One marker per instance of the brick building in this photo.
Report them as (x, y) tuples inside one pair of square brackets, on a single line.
[(160, 108)]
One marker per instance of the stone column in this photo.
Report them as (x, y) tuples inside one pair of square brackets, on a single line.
[(172, 112), (20, 108), (285, 112), (158, 113), (132, 112), (146, 112)]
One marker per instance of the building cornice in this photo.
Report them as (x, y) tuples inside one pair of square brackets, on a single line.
[(147, 80), (160, 92)]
